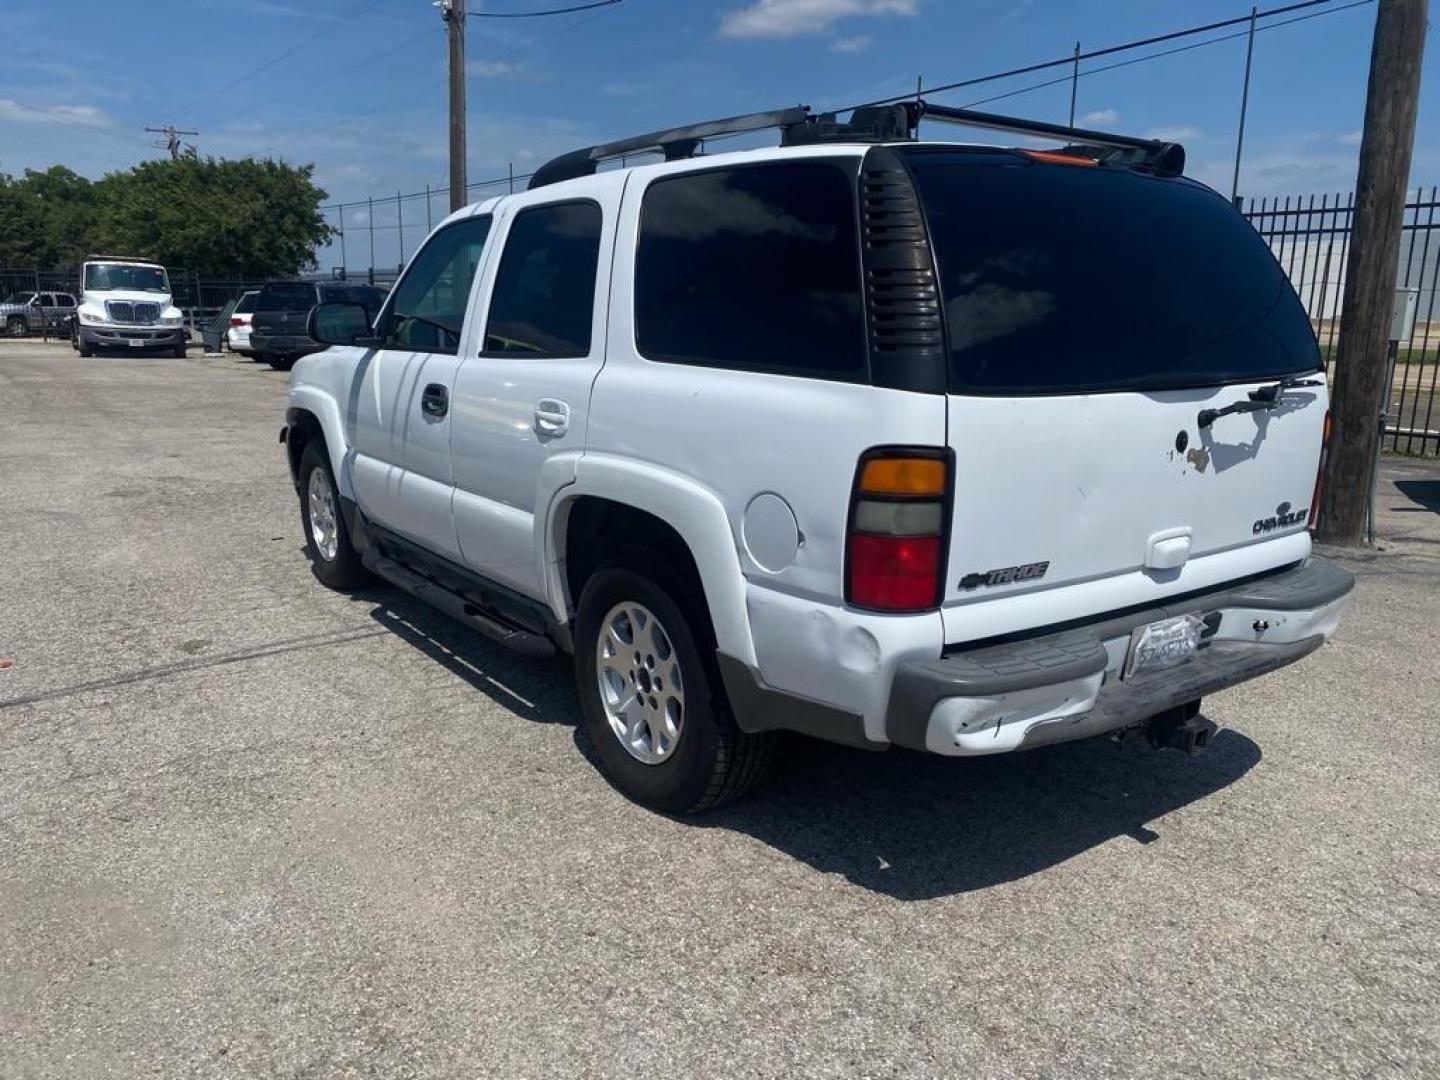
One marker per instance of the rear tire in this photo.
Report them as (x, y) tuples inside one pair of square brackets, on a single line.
[(327, 538), (280, 363), (666, 671)]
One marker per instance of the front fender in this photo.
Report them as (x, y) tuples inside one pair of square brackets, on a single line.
[(323, 406), (691, 509)]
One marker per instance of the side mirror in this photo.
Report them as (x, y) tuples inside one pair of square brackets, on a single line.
[(338, 322)]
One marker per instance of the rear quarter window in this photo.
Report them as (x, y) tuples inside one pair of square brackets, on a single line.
[(1070, 279), (753, 268), (286, 296)]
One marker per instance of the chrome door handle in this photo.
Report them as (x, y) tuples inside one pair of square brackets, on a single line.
[(552, 417)]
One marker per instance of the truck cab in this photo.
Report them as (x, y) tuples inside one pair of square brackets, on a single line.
[(125, 304)]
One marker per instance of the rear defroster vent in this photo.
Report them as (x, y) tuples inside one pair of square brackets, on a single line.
[(906, 340)]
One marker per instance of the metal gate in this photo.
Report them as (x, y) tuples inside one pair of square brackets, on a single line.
[(1310, 236)]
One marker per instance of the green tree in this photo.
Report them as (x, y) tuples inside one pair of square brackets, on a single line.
[(246, 219), (233, 219), (46, 218)]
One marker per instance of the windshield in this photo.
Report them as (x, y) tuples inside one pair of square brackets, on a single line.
[(245, 305), (286, 296), (115, 277), (1060, 278)]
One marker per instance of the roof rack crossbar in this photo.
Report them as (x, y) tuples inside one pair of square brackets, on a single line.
[(892, 123), (996, 122), (677, 142)]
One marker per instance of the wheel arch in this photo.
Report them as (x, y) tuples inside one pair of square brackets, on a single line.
[(609, 502), (311, 412)]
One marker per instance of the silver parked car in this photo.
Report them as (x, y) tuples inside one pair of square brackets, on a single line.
[(24, 313)]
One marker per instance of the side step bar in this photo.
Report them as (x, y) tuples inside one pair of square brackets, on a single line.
[(457, 607)]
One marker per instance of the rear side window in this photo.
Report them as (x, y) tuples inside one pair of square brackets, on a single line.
[(544, 298), (286, 296), (1063, 279), (367, 295), (754, 268)]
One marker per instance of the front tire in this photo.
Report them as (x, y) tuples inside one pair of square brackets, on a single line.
[(16, 326), (654, 706), (327, 539)]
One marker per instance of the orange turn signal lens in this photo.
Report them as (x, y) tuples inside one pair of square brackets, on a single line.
[(903, 476)]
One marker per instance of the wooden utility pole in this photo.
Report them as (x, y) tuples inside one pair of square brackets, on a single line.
[(453, 12), (1385, 150), (172, 138)]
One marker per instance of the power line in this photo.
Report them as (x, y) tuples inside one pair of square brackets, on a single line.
[(291, 51), (1163, 53), (540, 14), (1064, 61), (60, 118), (1073, 58)]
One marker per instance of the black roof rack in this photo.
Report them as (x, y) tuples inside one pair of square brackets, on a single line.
[(874, 123)]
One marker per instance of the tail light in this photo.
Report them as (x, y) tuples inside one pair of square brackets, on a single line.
[(1320, 473), (236, 320), (895, 547)]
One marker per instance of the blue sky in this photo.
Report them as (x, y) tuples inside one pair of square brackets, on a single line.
[(364, 98)]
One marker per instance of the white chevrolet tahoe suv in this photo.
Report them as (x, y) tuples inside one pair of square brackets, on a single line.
[(893, 443)]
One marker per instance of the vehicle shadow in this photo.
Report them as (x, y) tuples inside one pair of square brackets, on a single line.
[(908, 825), (542, 691), (1425, 494)]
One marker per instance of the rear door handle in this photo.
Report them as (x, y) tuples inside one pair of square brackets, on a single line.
[(435, 400), (552, 417)]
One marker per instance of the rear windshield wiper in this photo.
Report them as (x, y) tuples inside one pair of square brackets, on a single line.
[(1267, 397)]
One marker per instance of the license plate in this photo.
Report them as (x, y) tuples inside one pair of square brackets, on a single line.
[(134, 343), (1164, 644)]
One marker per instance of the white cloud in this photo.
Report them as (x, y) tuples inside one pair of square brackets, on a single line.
[(857, 44), (46, 114), (1350, 138), (790, 18), (1100, 118), (1175, 133)]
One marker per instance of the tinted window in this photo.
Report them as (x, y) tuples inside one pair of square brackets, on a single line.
[(245, 305), (367, 295), (544, 296), (64, 300), (1064, 278), (427, 310), (286, 296), (755, 267), (108, 276)]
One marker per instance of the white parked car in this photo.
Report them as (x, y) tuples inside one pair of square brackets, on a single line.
[(125, 304), (237, 334), (894, 443)]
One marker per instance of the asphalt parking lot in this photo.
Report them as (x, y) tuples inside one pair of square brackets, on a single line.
[(250, 827)]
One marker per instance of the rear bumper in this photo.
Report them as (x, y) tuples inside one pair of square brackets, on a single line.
[(282, 344), (1067, 685), (1056, 687)]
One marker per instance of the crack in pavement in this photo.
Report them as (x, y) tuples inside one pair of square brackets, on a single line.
[(289, 645)]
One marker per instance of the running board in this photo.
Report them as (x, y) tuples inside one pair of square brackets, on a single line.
[(457, 607)]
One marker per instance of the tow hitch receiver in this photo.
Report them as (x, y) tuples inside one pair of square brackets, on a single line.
[(1180, 728)]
